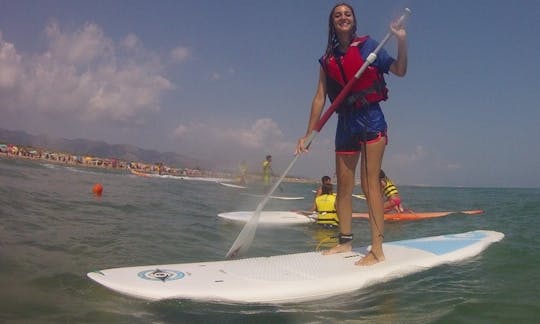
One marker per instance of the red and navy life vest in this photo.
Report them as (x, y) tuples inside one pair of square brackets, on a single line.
[(369, 88)]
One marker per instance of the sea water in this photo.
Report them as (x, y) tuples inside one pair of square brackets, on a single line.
[(53, 231)]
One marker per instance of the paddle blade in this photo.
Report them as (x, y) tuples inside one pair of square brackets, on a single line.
[(245, 238)]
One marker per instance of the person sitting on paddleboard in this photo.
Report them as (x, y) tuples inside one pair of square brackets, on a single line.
[(361, 127), (391, 195), (325, 206)]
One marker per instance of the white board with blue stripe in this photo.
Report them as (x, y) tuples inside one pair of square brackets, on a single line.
[(292, 277)]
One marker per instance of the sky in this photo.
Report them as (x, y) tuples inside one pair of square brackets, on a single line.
[(226, 81)]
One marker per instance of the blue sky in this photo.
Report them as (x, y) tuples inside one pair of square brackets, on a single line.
[(225, 81)]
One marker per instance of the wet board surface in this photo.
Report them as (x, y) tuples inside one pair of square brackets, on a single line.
[(292, 277), (271, 217)]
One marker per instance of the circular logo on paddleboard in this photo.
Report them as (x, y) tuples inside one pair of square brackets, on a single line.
[(161, 275)]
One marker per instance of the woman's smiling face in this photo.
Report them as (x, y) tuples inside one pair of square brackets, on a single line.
[(343, 19)]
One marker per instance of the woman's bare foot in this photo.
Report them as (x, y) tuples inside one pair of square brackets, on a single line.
[(340, 248), (370, 259)]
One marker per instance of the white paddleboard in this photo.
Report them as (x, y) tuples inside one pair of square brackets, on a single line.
[(292, 277), (274, 197), (232, 185), (354, 195), (191, 178), (271, 217)]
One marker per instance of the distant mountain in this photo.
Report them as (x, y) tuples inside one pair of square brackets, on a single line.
[(99, 149)]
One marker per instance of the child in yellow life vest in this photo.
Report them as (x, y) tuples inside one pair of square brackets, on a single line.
[(325, 206), (318, 192), (391, 195), (324, 179)]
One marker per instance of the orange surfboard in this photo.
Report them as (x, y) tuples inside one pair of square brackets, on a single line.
[(419, 215)]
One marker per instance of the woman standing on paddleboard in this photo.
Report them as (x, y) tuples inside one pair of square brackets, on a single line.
[(361, 124)]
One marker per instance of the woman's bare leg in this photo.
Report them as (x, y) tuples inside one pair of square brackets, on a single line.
[(372, 189), (345, 170)]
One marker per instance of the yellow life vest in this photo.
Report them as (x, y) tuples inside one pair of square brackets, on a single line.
[(326, 210), (390, 188)]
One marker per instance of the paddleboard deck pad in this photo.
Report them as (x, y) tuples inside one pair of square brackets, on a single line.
[(293, 277), (271, 217)]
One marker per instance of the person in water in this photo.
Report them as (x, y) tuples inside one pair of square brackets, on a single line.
[(324, 180), (325, 206), (267, 170), (361, 128), (318, 192), (392, 199), (243, 173)]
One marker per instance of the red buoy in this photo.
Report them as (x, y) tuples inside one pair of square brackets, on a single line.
[(98, 189)]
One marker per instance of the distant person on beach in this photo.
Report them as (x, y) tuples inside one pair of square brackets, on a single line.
[(325, 206), (361, 132), (243, 173), (392, 199), (267, 170)]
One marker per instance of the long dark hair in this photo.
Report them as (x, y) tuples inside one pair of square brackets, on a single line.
[(327, 189), (333, 41)]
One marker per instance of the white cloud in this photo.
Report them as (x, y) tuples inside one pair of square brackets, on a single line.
[(263, 134), (226, 146), (453, 166), (131, 41), (84, 74), (413, 157), (192, 129), (229, 73), (180, 54), (83, 46), (180, 131), (10, 65)]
